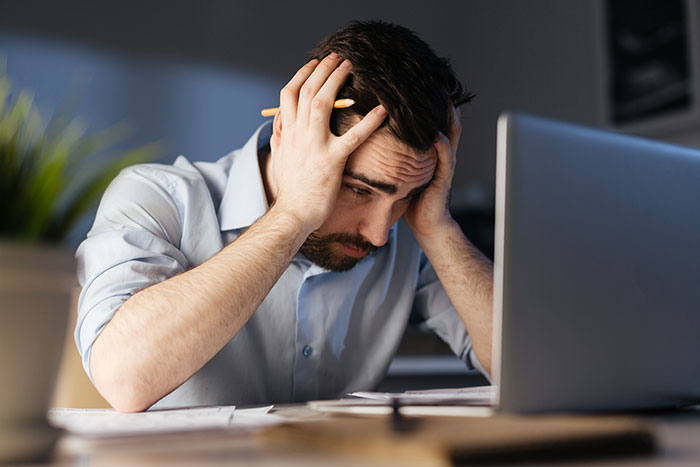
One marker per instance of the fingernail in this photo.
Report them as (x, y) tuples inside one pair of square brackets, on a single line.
[(381, 111), (346, 64), (333, 55)]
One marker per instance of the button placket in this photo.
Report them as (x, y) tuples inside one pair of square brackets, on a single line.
[(306, 364)]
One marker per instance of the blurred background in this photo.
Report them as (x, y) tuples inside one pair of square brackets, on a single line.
[(195, 75)]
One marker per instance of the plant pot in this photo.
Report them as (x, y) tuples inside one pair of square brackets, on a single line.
[(35, 291)]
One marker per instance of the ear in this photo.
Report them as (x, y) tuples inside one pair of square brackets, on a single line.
[(276, 130)]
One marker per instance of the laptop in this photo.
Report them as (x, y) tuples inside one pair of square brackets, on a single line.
[(597, 270)]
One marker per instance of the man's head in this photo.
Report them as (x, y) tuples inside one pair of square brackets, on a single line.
[(393, 67)]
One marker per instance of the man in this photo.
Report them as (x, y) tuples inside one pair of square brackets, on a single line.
[(288, 270)]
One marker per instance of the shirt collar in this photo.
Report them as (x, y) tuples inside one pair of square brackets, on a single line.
[(244, 200)]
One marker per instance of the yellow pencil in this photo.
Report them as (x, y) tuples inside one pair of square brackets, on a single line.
[(339, 104)]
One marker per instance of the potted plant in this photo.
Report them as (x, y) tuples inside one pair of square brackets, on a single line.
[(48, 181)]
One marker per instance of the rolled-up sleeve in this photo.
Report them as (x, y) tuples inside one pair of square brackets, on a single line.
[(132, 245), (433, 311)]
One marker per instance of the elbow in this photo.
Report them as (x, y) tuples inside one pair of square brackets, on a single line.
[(483, 362), (486, 364), (127, 404), (119, 387), (123, 395)]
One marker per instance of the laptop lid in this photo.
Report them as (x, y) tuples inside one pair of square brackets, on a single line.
[(597, 269)]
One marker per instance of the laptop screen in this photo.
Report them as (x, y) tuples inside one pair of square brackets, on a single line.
[(597, 264)]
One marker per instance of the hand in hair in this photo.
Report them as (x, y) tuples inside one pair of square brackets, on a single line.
[(430, 212), (307, 160)]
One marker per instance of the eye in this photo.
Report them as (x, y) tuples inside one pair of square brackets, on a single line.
[(358, 191)]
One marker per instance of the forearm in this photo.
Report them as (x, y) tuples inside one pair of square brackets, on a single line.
[(467, 276), (164, 334)]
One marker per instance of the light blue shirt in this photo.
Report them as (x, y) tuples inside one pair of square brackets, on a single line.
[(318, 334)]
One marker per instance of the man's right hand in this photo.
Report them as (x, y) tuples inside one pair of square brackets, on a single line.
[(307, 160)]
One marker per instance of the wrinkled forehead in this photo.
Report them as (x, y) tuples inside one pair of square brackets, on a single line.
[(384, 156)]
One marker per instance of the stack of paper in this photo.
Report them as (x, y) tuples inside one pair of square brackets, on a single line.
[(107, 422)]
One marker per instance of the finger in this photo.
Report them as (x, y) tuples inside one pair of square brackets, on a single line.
[(276, 131), (446, 160), (455, 128), (322, 103), (357, 135), (313, 83), (289, 95)]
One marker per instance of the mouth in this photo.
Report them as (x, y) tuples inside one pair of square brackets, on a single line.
[(352, 251)]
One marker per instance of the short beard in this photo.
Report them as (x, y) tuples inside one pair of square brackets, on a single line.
[(318, 249)]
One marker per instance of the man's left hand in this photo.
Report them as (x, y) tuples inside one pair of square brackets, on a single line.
[(430, 212)]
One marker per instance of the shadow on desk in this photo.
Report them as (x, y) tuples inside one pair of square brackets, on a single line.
[(441, 441)]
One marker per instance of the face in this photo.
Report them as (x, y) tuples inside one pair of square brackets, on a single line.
[(381, 178)]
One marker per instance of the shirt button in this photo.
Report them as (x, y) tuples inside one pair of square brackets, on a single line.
[(307, 350)]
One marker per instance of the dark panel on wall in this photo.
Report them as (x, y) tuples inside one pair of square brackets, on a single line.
[(649, 60)]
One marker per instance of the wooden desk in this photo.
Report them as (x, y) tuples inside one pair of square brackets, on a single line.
[(677, 434)]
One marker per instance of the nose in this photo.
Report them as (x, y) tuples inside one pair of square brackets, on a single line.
[(376, 223)]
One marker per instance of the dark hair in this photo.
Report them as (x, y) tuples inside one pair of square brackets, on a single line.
[(391, 65)]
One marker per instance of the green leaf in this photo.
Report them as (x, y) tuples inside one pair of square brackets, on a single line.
[(46, 182)]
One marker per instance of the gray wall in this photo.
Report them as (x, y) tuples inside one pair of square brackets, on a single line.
[(196, 75)]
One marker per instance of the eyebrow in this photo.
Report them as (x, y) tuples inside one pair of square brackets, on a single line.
[(388, 188)]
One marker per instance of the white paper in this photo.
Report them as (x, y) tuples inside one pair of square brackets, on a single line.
[(108, 422), (257, 417), (477, 396)]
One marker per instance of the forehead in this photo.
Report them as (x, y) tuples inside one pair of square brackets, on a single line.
[(383, 157)]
